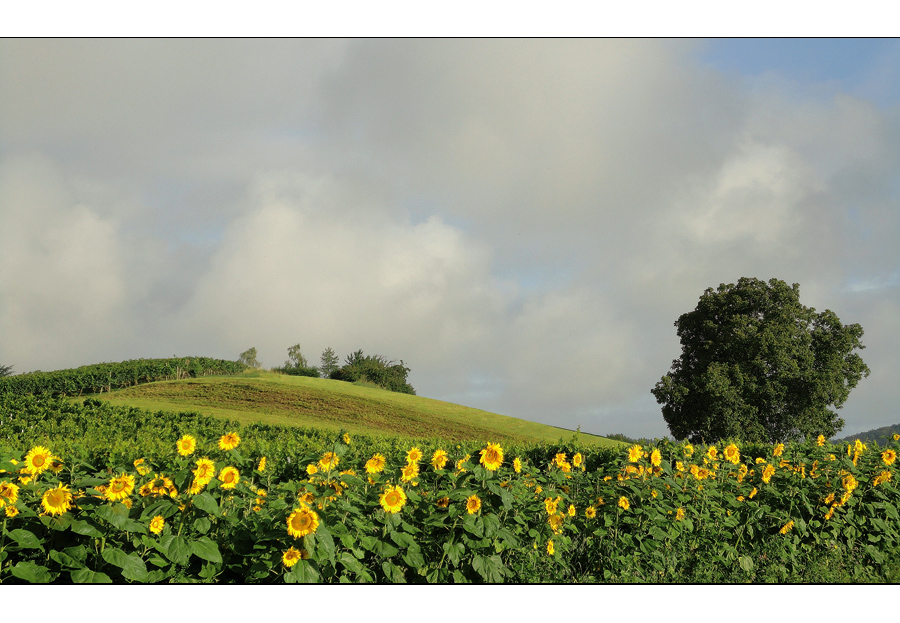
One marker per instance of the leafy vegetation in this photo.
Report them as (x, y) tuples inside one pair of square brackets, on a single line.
[(759, 366), (213, 509), (374, 369), (107, 377)]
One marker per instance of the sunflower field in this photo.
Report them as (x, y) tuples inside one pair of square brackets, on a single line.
[(211, 508)]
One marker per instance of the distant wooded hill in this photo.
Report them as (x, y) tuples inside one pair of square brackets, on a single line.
[(881, 435)]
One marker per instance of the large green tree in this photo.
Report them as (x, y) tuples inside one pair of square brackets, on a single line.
[(757, 365)]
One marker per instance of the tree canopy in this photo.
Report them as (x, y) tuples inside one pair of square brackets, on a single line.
[(757, 365)]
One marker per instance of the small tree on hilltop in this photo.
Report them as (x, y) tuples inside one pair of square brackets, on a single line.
[(295, 358), (248, 358), (5, 370), (328, 362), (757, 365)]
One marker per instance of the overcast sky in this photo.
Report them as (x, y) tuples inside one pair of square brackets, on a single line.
[(520, 221)]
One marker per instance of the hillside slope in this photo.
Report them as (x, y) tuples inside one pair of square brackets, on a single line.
[(270, 398)]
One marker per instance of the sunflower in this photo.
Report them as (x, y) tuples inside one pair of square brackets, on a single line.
[(688, 450), (160, 485), (635, 453), (571, 510), (375, 464), (820, 440), (889, 456), (392, 499), (120, 488), (37, 460), (550, 505), (768, 472), (157, 524), (679, 514), (229, 477), (590, 512), (291, 557), (9, 493), (141, 468), (57, 501), (439, 459), (409, 472), (312, 469), (492, 457), (186, 445), (778, 449), (712, 453), (881, 478), (444, 502), (473, 504), (56, 465), (414, 455), (732, 454), (577, 460), (197, 486), (205, 471), (229, 441), (752, 493), (550, 549), (262, 465), (328, 461), (11, 511), (623, 502), (346, 438), (556, 522), (460, 463), (849, 483), (787, 527), (302, 521), (517, 465)]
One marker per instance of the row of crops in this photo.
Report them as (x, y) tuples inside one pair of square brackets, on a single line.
[(192, 499), (107, 377)]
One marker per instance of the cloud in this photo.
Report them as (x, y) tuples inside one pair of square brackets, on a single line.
[(63, 288), (521, 221)]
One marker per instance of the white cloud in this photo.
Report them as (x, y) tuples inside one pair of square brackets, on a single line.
[(521, 221), (62, 281)]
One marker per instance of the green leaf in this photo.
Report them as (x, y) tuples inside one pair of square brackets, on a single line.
[(176, 548), (325, 543), (86, 576), (491, 569), (473, 525), (31, 572), (384, 549), (413, 557), (206, 549), (356, 567), (202, 525), (164, 508), (57, 522), (86, 527), (746, 563), (402, 539), (303, 572), (25, 539), (393, 573), (133, 568), (66, 558), (116, 514), (206, 503)]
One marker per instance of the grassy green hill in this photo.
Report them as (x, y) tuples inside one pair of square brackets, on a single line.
[(270, 398)]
